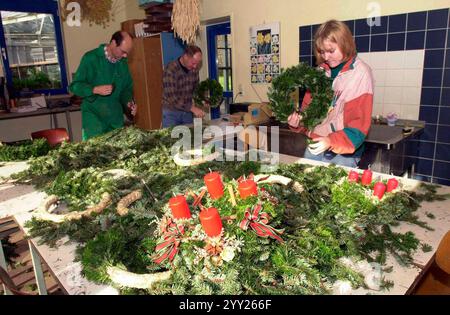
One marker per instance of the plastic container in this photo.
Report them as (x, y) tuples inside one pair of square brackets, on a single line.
[(391, 119)]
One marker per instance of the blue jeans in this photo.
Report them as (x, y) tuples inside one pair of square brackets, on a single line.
[(176, 117), (330, 157)]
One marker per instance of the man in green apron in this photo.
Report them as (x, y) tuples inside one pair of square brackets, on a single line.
[(104, 82)]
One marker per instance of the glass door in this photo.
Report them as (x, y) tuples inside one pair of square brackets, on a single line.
[(219, 60), (31, 48)]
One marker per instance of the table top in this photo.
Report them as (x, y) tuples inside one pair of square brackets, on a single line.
[(19, 201), (39, 112), (379, 133), (389, 135)]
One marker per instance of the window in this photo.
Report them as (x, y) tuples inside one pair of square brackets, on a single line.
[(219, 59), (31, 46)]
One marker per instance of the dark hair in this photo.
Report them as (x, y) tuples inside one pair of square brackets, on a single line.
[(192, 50), (118, 37)]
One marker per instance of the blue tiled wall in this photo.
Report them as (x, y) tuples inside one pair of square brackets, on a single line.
[(428, 30)]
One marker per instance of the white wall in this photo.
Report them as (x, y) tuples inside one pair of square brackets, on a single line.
[(21, 128), (398, 81)]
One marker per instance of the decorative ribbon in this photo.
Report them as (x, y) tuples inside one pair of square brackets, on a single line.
[(167, 249), (258, 221)]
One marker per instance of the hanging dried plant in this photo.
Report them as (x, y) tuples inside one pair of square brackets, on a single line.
[(98, 12), (186, 19)]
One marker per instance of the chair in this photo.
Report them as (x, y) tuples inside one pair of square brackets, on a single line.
[(435, 279), (53, 136), (9, 284)]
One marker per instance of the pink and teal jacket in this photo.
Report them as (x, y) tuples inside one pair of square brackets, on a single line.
[(350, 116)]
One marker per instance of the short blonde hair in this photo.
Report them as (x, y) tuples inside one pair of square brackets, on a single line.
[(336, 32)]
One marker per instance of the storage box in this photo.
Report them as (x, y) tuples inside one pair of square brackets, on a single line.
[(237, 118), (258, 113)]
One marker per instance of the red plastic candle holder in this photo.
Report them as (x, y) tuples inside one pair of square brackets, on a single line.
[(211, 222), (366, 178), (214, 184), (379, 189), (179, 207), (392, 184), (247, 188)]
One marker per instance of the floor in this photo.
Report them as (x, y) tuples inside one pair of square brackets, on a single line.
[(20, 267)]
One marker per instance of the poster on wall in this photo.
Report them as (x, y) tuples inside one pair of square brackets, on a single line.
[(265, 52)]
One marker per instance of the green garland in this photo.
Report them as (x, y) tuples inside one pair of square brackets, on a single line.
[(24, 150), (328, 221), (209, 91), (303, 77)]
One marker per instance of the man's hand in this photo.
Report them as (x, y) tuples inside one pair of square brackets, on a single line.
[(103, 90), (133, 108), (198, 113), (294, 119), (321, 145)]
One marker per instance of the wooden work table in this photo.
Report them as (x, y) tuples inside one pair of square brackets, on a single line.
[(19, 201)]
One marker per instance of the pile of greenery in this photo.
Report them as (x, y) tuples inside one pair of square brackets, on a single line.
[(23, 150), (329, 220), (35, 79)]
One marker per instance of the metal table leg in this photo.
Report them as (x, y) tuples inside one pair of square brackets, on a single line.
[(38, 270), (3, 265), (69, 125)]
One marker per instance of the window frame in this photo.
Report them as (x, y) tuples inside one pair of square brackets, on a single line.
[(212, 31), (37, 6)]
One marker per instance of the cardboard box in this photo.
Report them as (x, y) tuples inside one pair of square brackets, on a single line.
[(258, 113), (237, 117)]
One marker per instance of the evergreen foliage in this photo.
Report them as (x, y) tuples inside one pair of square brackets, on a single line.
[(24, 150), (208, 91), (301, 77), (329, 220)]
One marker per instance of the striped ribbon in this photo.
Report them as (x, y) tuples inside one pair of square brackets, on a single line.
[(168, 248), (258, 221)]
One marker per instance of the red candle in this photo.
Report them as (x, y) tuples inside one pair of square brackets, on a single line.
[(179, 207), (211, 222), (214, 184), (392, 184), (353, 177), (379, 189), (366, 178), (247, 188)]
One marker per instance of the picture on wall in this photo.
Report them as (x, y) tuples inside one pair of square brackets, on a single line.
[(265, 53)]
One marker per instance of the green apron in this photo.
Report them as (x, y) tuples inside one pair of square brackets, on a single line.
[(101, 114)]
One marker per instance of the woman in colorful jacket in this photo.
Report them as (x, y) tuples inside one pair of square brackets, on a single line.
[(340, 137)]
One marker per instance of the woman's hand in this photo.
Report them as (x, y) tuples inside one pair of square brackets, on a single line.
[(294, 119), (320, 145)]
